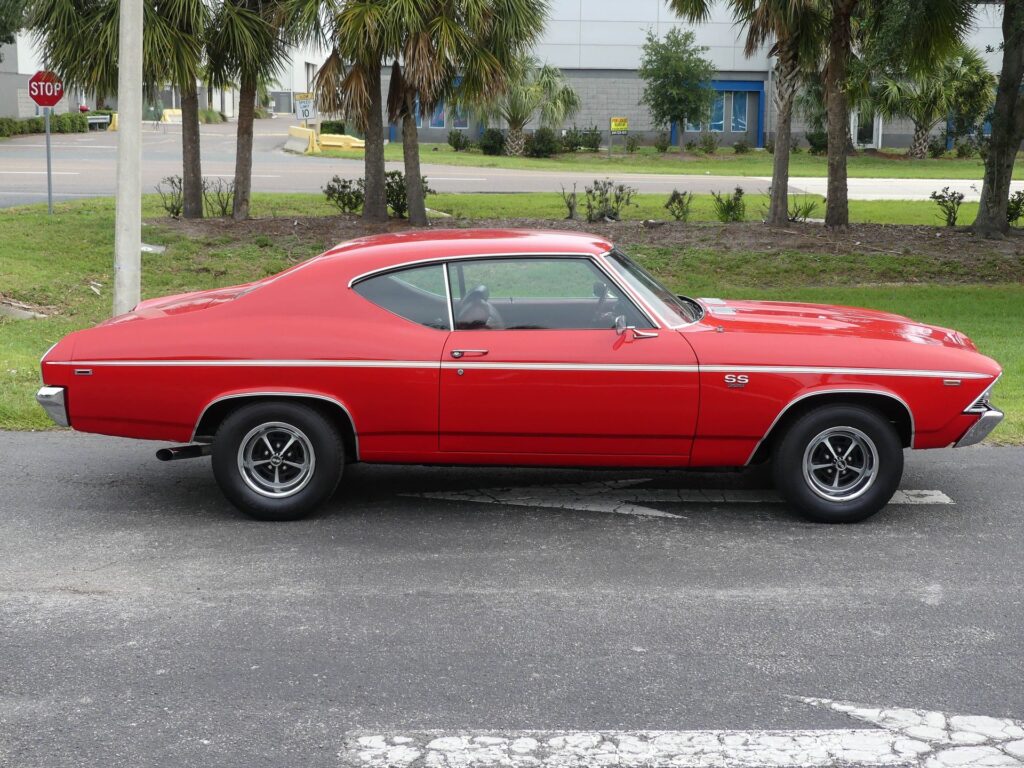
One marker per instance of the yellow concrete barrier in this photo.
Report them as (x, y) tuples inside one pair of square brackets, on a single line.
[(171, 116), (112, 125), (301, 140), (340, 141)]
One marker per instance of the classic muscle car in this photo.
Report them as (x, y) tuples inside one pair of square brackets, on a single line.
[(517, 348)]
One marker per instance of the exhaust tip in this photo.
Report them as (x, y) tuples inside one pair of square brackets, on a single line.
[(165, 454)]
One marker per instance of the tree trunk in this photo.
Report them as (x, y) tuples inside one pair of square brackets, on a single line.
[(682, 138), (413, 180), (1007, 127), (223, 111), (787, 81), (515, 141), (837, 208), (375, 204), (919, 144), (192, 170), (243, 149)]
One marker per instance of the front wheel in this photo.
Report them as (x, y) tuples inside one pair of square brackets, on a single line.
[(838, 464), (277, 461)]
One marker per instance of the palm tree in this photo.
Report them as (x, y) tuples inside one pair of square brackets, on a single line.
[(532, 89), (795, 30), (245, 44), (459, 53), (79, 40)]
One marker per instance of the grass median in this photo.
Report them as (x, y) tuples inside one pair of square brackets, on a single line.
[(62, 266), (888, 164)]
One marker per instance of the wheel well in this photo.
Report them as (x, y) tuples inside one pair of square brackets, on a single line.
[(215, 414), (897, 412)]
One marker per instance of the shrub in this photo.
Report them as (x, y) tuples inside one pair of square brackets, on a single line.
[(936, 147), (590, 139), (964, 148), (218, 196), (949, 203), (606, 199), (571, 203), (818, 141), (707, 143), (802, 208), (543, 143), (1015, 207), (348, 195), (572, 140), (492, 142), (770, 146), (662, 142), (731, 208), (333, 127), (210, 116), (69, 122), (632, 144), (262, 113), (171, 195), (690, 146), (394, 191), (679, 205), (459, 140), (741, 147)]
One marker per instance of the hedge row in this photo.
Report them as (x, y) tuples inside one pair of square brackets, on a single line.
[(69, 122)]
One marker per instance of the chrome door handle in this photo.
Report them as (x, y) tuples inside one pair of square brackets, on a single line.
[(457, 353)]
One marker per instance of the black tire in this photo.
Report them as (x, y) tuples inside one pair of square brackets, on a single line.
[(307, 473), (805, 466)]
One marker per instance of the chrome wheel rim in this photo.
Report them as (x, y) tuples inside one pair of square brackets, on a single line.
[(276, 460), (840, 464)]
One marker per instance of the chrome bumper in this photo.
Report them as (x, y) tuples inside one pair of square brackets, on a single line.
[(52, 400), (982, 427)]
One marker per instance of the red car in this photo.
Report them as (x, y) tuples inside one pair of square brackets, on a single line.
[(517, 348)]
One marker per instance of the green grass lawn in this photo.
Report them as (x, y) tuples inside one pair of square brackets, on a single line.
[(58, 261), (890, 164)]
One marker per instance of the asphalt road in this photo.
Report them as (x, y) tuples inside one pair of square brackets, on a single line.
[(84, 165), (144, 622)]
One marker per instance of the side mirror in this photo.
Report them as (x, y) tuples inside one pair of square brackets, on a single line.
[(620, 324), (621, 328)]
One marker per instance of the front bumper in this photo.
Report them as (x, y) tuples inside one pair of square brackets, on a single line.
[(52, 400), (988, 421)]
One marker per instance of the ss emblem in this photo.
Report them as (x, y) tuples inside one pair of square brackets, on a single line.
[(735, 380)]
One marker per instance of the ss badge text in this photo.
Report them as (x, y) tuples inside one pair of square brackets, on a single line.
[(734, 380)]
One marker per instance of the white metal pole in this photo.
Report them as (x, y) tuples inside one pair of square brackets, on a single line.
[(49, 172), (128, 223)]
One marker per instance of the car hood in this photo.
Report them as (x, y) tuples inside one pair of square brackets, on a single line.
[(823, 319)]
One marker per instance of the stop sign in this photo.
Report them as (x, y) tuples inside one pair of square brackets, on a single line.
[(45, 88)]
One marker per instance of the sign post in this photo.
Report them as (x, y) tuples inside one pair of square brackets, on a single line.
[(618, 126), (46, 89)]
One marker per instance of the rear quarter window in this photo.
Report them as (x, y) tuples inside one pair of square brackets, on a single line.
[(416, 294)]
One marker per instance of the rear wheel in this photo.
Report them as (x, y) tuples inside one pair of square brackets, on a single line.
[(277, 461), (838, 463)]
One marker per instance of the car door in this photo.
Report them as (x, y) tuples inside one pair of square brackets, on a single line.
[(536, 367)]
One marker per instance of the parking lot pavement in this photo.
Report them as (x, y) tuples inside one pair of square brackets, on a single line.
[(144, 622)]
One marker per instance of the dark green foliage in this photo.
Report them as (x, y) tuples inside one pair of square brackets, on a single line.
[(543, 143), (679, 205), (492, 142), (572, 140), (818, 141), (661, 142), (949, 203), (936, 146), (731, 208), (707, 143), (801, 209), (965, 148), (71, 122), (632, 144), (459, 140), (591, 139), (741, 147), (333, 127), (676, 78), (396, 194), (347, 194), (606, 199), (1015, 207)]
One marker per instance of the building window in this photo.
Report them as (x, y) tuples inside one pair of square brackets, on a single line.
[(692, 127), (739, 112), (437, 117), (460, 118), (718, 114)]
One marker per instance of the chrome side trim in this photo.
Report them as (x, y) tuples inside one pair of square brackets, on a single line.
[(260, 363), (306, 395), (825, 370), (981, 429), (819, 392), (572, 367), (52, 401)]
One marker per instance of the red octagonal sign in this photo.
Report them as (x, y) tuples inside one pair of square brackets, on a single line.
[(45, 88)]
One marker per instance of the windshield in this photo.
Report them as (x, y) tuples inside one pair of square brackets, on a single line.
[(664, 302)]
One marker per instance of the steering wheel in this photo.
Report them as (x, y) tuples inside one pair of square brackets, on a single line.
[(475, 311)]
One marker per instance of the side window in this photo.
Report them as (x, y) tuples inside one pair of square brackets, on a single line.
[(416, 294), (537, 293)]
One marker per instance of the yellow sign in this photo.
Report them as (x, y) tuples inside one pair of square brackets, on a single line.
[(620, 126)]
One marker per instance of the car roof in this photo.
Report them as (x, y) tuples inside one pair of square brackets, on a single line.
[(395, 248)]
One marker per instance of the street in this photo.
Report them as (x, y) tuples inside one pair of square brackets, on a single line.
[(144, 622), (84, 165)]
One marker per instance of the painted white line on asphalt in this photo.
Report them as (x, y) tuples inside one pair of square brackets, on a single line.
[(41, 173), (908, 737), (458, 178), (620, 497), (231, 176)]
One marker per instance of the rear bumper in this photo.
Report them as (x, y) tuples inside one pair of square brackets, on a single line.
[(52, 400), (988, 421)]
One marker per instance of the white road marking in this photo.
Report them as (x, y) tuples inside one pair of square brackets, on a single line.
[(458, 178), (620, 497), (40, 173), (907, 737), (231, 175)]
